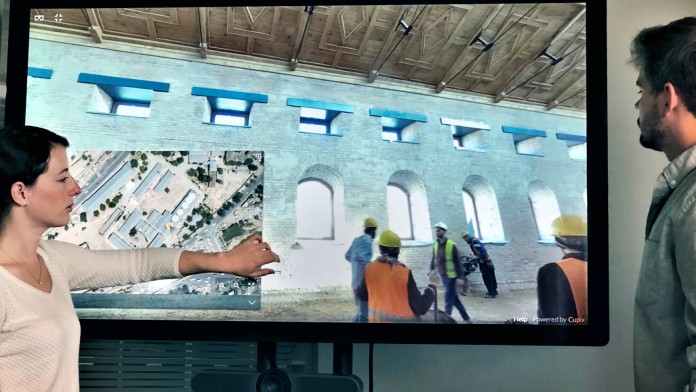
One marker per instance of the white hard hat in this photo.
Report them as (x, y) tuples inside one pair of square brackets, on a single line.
[(441, 225)]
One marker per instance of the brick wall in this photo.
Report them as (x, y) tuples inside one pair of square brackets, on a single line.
[(363, 161)]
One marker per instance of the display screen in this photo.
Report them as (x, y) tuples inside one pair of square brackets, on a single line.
[(301, 122)]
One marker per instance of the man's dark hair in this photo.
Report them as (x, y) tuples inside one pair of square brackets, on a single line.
[(391, 252), (24, 154), (371, 231), (668, 54)]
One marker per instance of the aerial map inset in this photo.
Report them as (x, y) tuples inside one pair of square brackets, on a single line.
[(207, 201)]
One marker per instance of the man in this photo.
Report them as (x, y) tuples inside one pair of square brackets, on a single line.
[(562, 285), (485, 263), (665, 308), (389, 287), (446, 260), (360, 254)]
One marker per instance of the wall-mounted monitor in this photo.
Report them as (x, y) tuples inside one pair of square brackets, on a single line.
[(488, 117)]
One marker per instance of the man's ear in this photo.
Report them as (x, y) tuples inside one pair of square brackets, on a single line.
[(18, 192), (671, 97)]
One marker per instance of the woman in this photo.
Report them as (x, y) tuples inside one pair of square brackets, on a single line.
[(39, 329)]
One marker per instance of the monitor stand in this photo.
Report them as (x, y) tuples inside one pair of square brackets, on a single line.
[(268, 378)]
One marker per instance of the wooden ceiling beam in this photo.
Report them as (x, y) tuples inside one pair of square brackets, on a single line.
[(302, 22), (203, 24), (442, 83), (386, 45), (502, 91), (555, 101), (94, 29)]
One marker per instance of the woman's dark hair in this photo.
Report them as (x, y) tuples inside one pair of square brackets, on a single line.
[(24, 154), (668, 54)]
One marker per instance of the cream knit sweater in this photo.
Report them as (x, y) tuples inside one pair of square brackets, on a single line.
[(40, 332)]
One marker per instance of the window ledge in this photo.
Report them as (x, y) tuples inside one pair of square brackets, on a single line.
[(470, 149), (400, 141), (496, 242), (116, 115), (531, 154), (226, 125), (321, 134)]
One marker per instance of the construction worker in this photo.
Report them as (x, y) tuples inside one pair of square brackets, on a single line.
[(485, 263), (446, 260), (360, 254), (389, 288), (562, 285)]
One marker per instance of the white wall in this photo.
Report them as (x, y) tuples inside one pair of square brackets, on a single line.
[(632, 171)]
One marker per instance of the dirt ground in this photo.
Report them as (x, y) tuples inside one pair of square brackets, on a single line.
[(335, 306), (340, 306)]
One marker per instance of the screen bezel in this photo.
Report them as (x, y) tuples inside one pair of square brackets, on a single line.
[(595, 333)]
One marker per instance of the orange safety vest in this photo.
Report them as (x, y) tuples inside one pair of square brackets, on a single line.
[(576, 272), (387, 290)]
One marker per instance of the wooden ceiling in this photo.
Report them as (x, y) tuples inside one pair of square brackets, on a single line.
[(531, 53)]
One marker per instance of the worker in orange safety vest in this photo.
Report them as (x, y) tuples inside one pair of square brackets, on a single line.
[(562, 285), (389, 288)]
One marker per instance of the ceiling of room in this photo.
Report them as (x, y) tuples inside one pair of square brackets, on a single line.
[(524, 53)]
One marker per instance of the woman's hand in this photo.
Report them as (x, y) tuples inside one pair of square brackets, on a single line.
[(246, 259)]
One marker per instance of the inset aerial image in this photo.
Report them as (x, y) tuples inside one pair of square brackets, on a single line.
[(195, 200)]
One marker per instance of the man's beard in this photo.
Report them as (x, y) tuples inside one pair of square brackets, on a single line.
[(651, 136), (655, 142)]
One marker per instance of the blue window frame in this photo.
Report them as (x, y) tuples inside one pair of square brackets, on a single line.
[(122, 96), (317, 116), (577, 146), (527, 141), (313, 120), (466, 134), (133, 109), (391, 134), (397, 126), (229, 117), (227, 107), (41, 73)]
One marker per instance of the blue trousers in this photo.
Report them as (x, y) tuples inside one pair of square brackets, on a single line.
[(361, 315), (451, 297)]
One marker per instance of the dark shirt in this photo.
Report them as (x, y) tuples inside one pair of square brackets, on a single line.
[(554, 293)]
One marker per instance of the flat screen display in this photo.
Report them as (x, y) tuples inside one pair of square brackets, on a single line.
[(301, 122)]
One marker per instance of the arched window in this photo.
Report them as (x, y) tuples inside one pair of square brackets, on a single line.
[(481, 209), (471, 215), (315, 210), (545, 209), (399, 211), (407, 207)]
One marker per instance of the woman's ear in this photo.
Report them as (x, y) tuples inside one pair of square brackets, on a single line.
[(18, 192)]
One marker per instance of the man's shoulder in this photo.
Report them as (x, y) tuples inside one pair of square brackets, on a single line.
[(363, 238)]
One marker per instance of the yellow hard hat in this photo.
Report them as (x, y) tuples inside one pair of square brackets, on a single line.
[(570, 226), (389, 239), (464, 233), (370, 222)]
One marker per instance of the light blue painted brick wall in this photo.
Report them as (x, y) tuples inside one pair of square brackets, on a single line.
[(363, 161)]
